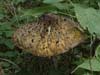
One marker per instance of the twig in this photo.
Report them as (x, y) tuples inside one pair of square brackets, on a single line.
[(67, 14), (91, 49), (9, 61)]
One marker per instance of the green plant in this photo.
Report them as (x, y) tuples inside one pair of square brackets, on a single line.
[(84, 58)]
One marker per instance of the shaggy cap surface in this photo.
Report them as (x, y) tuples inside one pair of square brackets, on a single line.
[(50, 35)]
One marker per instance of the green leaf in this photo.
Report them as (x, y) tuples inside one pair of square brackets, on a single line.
[(61, 5), (86, 73), (90, 64), (95, 65), (5, 26), (88, 17), (11, 54), (81, 72), (9, 43), (97, 53), (18, 1), (5, 64), (38, 11), (0, 33), (2, 40), (51, 1), (9, 33), (99, 4), (2, 16), (52, 71)]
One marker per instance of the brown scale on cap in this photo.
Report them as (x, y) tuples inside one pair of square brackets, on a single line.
[(50, 35)]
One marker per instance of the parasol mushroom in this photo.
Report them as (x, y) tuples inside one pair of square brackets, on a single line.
[(50, 35)]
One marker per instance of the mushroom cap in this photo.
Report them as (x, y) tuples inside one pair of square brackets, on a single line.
[(50, 35)]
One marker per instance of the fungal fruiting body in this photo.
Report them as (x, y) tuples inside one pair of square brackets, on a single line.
[(50, 35)]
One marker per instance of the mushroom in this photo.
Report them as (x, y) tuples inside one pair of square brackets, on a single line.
[(50, 35)]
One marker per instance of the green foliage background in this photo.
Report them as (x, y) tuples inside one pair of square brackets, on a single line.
[(82, 60)]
